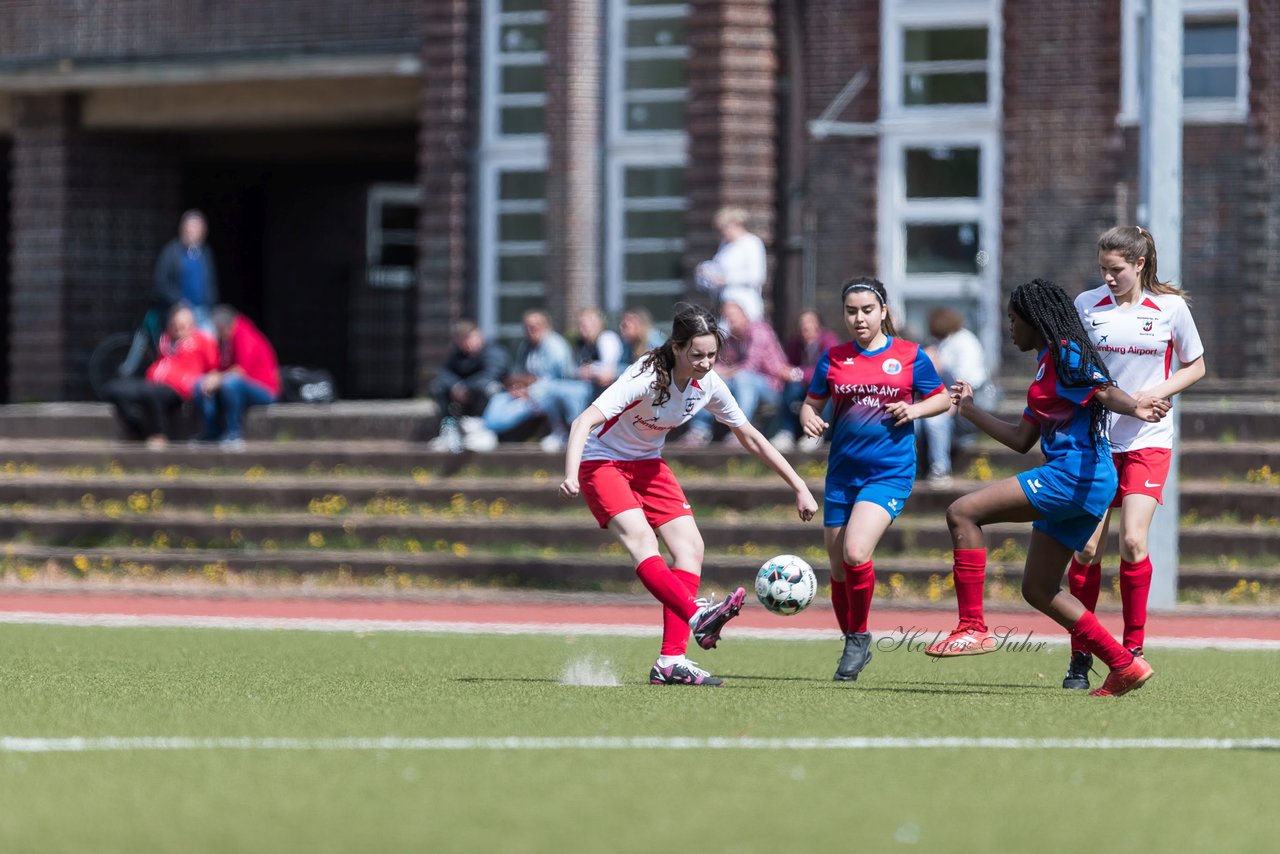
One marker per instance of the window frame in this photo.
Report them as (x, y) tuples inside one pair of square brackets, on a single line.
[(382, 276), (619, 15), (898, 16), (1195, 110)]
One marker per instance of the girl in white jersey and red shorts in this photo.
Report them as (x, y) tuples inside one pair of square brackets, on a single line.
[(614, 458), (1138, 324)]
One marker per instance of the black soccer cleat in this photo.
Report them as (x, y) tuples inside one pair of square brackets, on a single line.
[(1078, 671)]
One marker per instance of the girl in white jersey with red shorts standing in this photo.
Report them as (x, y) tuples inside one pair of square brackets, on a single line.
[(1138, 324), (613, 457)]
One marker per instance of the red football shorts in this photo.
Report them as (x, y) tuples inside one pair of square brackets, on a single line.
[(1142, 472), (612, 486)]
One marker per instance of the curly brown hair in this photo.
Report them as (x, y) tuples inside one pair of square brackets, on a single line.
[(690, 322)]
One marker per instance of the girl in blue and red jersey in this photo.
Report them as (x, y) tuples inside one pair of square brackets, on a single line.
[(877, 384), (1065, 498)]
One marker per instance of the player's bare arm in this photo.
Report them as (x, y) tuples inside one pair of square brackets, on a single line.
[(1178, 382), (1020, 436), (811, 421), (1116, 399), (755, 442), (904, 413), (578, 433)]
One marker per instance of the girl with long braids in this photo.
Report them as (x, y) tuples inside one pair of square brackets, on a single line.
[(1065, 498), (613, 457), (877, 384), (1137, 323)]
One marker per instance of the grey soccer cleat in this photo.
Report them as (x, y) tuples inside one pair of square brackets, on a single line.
[(857, 652)]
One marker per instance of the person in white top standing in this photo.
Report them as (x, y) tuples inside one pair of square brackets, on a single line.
[(738, 271), (1138, 324), (613, 458), (958, 355)]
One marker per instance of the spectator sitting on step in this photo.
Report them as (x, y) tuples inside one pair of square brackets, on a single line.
[(185, 271), (753, 365), (472, 374), (635, 328), (804, 349), (596, 356), (248, 375), (186, 355), (543, 355)]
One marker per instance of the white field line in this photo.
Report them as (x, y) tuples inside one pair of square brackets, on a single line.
[(10, 744), (907, 638)]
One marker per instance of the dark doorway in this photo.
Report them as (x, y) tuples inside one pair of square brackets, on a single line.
[(287, 223)]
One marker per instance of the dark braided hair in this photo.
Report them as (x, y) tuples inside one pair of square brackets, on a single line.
[(875, 286), (1047, 307), (690, 322)]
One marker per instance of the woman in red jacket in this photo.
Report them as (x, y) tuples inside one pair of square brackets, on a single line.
[(248, 375), (186, 356)]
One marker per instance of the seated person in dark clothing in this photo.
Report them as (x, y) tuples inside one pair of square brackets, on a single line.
[(248, 375), (186, 356), (473, 372)]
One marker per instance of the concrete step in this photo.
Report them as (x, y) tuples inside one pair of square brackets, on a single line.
[(1206, 499), (1213, 415), (569, 532), (1204, 460), (578, 572)]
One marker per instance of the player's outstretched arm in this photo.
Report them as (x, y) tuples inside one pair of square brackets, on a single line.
[(578, 433), (755, 442), (905, 413), (1149, 409), (1020, 437)]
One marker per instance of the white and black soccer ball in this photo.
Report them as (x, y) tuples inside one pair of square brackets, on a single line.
[(786, 585)]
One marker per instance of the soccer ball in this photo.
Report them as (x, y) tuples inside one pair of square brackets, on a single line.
[(786, 585)]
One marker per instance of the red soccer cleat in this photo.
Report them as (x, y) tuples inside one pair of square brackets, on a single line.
[(1122, 680), (963, 640)]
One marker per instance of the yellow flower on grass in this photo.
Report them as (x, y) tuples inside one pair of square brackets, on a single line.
[(171, 472), (113, 509), (461, 549), (421, 475), (81, 563), (316, 540), (139, 502), (87, 501), (255, 473)]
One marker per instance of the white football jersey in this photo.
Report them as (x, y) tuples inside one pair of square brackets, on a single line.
[(1138, 344), (635, 429)]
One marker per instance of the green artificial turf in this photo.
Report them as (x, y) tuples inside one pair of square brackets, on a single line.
[(60, 682)]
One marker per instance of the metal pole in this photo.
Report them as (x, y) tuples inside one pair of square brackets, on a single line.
[(1160, 209)]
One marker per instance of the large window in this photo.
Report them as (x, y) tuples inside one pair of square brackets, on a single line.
[(391, 234), (939, 179), (1215, 60), (645, 150), (516, 36), (513, 166)]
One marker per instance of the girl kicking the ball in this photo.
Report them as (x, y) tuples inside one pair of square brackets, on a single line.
[(1137, 323), (878, 384), (613, 457), (1065, 498)]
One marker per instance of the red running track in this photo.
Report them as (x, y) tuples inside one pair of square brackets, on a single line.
[(1199, 624)]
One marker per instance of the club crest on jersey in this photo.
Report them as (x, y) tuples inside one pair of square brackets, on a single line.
[(892, 367), (1040, 373), (1147, 324)]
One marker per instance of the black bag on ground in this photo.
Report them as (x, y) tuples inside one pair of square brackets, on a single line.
[(307, 385)]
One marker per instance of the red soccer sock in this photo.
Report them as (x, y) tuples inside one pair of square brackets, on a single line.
[(1135, 585), (666, 586), (675, 631), (840, 604), (970, 573), (1098, 641), (860, 581), (1085, 582)]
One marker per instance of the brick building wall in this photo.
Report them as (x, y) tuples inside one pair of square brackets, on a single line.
[(840, 40), (134, 29), (732, 119), (89, 212), (574, 177), (1262, 274), (448, 127), (1063, 152)]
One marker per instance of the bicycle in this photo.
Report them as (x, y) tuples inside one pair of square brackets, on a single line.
[(125, 354)]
